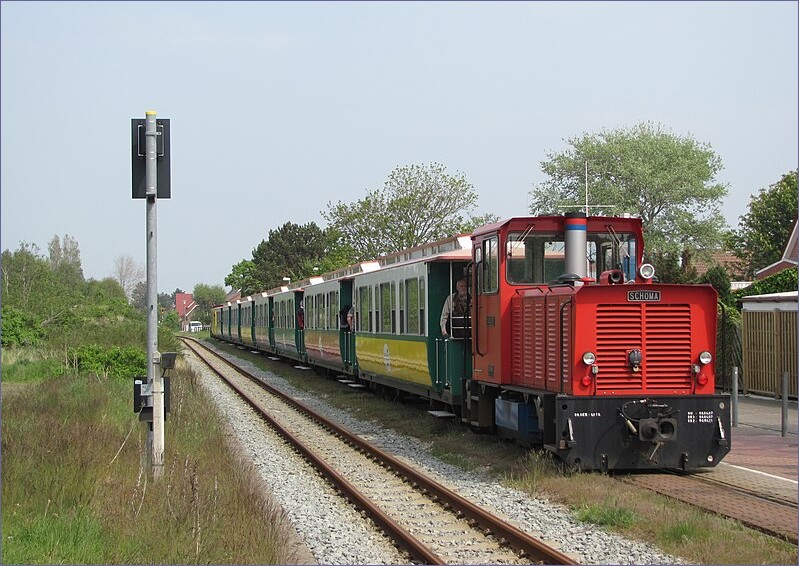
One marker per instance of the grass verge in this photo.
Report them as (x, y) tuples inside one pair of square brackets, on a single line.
[(74, 490)]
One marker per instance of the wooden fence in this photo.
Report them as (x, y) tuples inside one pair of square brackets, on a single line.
[(769, 348)]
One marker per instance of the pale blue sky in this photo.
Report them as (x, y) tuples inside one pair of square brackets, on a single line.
[(277, 108)]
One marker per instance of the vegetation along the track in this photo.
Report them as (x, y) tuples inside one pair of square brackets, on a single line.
[(675, 528), (74, 490)]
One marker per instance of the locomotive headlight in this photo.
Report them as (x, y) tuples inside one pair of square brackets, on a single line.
[(647, 271), (589, 358), (705, 357)]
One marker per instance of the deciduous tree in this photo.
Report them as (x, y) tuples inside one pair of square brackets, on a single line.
[(418, 204), (207, 296), (128, 273), (243, 277), (667, 180), (22, 271), (292, 251), (764, 230)]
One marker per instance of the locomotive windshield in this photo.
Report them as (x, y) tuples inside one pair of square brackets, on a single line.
[(538, 258)]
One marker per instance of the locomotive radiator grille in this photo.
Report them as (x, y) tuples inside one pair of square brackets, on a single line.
[(528, 353), (661, 332)]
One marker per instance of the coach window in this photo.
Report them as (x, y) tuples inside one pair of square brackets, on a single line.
[(412, 302), (334, 315), (385, 307), (332, 312), (364, 312), (372, 320), (421, 306), (402, 307), (393, 307)]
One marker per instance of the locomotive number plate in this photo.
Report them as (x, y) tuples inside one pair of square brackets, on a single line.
[(643, 296)]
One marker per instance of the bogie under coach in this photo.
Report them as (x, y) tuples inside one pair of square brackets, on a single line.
[(569, 343)]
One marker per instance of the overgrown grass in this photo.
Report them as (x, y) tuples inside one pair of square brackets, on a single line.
[(74, 490), (30, 367), (674, 527), (607, 513)]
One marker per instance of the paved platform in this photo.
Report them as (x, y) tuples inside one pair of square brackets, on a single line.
[(757, 442), (764, 415)]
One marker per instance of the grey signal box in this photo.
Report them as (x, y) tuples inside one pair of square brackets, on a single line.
[(138, 158)]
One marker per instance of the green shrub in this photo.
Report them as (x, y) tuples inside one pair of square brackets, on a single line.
[(19, 328), (116, 362), (781, 282)]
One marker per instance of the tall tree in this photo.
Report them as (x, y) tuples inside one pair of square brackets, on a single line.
[(243, 277), (667, 180), (138, 296), (207, 296), (764, 230), (23, 270), (418, 204), (65, 260), (289, 251), (128, 273), (165, 301)]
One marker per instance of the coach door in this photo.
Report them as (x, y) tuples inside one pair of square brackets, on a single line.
[(299, 323), (450, 358), (346, 338)]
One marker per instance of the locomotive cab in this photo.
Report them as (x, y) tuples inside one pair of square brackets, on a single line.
[(576, 348)]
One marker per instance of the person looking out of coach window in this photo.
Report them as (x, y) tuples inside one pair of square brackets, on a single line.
[(456, 305)]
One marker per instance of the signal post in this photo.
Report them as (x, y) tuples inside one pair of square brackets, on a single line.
[(150, 165)]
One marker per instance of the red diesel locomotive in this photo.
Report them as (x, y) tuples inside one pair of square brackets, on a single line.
[(603, 366)]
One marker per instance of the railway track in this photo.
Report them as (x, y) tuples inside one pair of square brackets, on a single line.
[(432, 523), (759, 501)]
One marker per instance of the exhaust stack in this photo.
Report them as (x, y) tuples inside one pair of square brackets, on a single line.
[(576, 239)]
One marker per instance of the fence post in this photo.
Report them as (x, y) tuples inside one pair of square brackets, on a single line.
[(784, 428), (734, 396)]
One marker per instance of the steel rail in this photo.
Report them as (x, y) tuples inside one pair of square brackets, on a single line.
[(523, 543), (415, 547)]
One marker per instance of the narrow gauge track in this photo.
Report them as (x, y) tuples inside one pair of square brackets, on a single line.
[(767, 506), (398, 498)]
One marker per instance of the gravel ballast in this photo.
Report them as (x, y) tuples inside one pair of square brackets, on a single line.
[(335, 532)]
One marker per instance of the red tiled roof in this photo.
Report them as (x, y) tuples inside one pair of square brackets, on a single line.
[(725, 259)]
